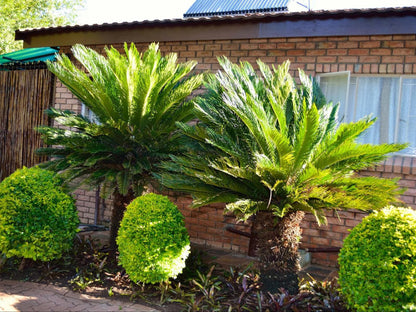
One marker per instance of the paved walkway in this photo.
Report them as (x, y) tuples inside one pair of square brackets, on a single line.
[(28, 296)]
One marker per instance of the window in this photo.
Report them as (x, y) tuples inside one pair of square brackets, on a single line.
[(85, 111), (392, 99)]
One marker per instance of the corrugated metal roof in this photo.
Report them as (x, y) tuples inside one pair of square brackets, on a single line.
[(30, 55), (233, 7)]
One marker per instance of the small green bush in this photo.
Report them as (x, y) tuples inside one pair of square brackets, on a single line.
[(378, 262), (153, 241), (38, 220)]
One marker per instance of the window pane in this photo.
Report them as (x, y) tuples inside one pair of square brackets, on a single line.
[(407, 122), (334, 87), (352, 92), (85, 111), (393, 105), (378, 97)]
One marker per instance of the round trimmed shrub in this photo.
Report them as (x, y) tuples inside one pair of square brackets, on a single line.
[(378, 262), (152, 239), (38, 220)]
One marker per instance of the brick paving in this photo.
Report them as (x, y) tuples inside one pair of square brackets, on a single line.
[(28, 296)]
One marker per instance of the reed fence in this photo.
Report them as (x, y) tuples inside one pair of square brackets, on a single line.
[(24, 96)]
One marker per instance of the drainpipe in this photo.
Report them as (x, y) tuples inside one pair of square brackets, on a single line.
[(97, 205), (323, 249)]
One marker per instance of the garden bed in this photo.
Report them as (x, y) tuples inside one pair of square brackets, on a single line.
[(205, 285)]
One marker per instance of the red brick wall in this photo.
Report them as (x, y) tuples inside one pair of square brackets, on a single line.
[(65, 100), (206, 225), (359, 54)]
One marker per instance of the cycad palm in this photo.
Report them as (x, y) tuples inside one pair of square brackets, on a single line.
[(273, 151), (137, 99)]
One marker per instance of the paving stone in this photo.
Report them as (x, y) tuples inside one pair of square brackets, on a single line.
[(27, 296)]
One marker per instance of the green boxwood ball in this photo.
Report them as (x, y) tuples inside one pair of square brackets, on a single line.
[(152, 240), (38, 220), (378, 262)]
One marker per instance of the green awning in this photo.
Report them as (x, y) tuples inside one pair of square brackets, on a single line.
[(29, 56)]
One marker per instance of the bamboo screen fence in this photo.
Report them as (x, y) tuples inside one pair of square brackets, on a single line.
[(24, 96)]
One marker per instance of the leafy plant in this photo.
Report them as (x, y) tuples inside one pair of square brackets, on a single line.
[(314, 295), (153, 241), (240, 290), (89, 274), (323, 295), (209, 286), (38, 220), (378, 262), (84, 279), (137, 98), (206, 292), (272, 150), (245, 286), (111, 292)]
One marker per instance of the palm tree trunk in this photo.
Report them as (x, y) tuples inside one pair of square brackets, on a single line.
[(277, 247), (120, 203)]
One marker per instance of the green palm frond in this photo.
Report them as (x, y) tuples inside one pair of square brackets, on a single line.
[(264, 143), (138, 98)]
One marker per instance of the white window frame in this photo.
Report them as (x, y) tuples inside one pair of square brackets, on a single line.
[(335, 74)]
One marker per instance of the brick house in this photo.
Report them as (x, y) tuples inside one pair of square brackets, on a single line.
[(366, 59)]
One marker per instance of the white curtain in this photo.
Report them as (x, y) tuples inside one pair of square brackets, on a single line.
[(392, 100), (406, 132), (335, 88), (376, 97)]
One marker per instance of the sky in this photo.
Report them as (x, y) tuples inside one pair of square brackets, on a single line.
[(108, 11)]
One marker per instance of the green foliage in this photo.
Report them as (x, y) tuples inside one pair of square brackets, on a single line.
[(320, 295), (205, 293), (137, 99), (38, 220), (314, 295), (378, 262), (240, 290), (264, 143), (90, 265), (153, 241), (20, 14)]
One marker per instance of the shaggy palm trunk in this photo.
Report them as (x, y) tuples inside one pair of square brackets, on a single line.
[(120, 203), (277, 247)]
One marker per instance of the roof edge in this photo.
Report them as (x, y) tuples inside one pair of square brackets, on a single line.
[(21, 34)]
